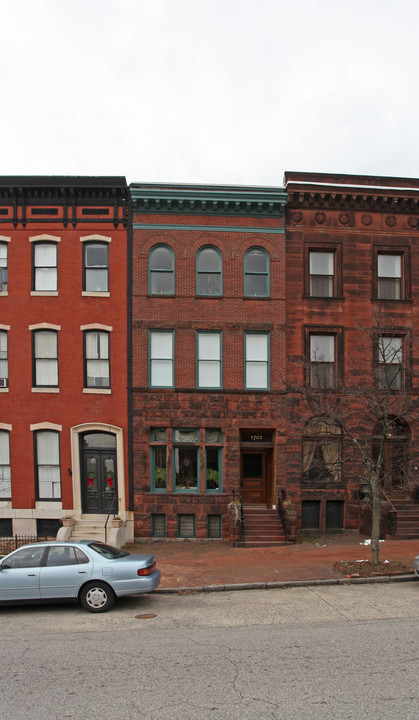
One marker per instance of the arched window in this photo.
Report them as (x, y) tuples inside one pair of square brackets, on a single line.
[(161, 266), (208, 271), (256, 273), (391, 438), (322, 451)]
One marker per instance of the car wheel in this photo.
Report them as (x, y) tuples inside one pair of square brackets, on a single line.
[(97, 597)]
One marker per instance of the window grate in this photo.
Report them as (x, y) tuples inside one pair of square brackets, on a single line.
[(158, 526), (214, 526), (186, 526)]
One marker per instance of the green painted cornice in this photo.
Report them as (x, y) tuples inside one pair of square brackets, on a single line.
[(208, 200)]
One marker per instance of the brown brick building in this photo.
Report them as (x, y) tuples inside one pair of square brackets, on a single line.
[(352, 255), (208, 355)]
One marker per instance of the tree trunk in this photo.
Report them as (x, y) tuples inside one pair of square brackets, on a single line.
[(375, 529)]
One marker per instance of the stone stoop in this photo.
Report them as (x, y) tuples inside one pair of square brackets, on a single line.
[(262, 528), (91, 527), (407, 520)]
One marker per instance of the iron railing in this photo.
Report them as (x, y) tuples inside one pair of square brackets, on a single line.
[(282, 517), (7, 544), (113, 512)]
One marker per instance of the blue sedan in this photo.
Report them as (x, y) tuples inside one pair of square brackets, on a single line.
[(91, 572)]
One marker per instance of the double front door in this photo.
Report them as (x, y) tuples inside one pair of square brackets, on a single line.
[(99, 476)]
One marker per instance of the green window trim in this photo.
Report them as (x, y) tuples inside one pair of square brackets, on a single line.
[(163, 275), (212, 362), (156, 520), (158, 473), (251, 363), (209, 281), (256, 279), (155, 359), (212, 475)]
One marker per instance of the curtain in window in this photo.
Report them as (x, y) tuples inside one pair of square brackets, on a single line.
[(5, 477), (46, 358), (49, 485)]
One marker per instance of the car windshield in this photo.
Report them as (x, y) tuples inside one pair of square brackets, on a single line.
[(107, 551)]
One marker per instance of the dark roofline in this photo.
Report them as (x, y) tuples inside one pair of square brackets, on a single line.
[(67, 181)]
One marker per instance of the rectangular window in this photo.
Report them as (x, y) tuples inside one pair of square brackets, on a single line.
[(45, 266), (186, 526), (47, 464), (209, 359), (158, 525), (389, 274), (214, 526), (4, 361), (322, 361), (96, 267), (321, 274), (3, 267), (161, 372), (390, 363), (96, 359), (45, 354), (257, 361), (159, 468), (310, 519), (213, 467), (175, 460), (5, 477)]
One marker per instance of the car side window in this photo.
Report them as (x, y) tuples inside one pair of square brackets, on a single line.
[(61, 555), (28, 557), (81, 557)]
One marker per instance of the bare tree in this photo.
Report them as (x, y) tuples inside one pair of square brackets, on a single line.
[(370, 408)]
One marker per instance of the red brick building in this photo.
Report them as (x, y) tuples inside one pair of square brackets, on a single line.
[(63, 361), (352, 254), (208, 355)]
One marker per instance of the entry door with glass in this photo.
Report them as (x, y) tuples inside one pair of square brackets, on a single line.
[(253, 477), (98, 476)]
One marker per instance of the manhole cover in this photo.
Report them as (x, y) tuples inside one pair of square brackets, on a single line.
[(146, 616)]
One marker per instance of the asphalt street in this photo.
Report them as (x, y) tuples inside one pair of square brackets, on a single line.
[(339, 652)]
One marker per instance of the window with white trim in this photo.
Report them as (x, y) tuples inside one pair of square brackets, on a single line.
[(3, 267), (322, 274), (96, 359), (96, 267), (389, 274), (209, 359), (4, 360), (47, 465), (44, 267), (5, 475), (45, 358)]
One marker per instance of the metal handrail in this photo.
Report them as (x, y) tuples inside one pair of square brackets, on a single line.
[(388, 499), (112, 511), (282, 517)]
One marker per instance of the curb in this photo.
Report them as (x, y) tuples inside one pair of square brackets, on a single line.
[(284, 584)]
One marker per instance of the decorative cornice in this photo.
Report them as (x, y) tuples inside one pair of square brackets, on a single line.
[(208, 200)]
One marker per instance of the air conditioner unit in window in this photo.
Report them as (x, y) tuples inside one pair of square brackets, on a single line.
[(3, 382)]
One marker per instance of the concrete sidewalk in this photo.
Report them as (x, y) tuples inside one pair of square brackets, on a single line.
[(188, 565)]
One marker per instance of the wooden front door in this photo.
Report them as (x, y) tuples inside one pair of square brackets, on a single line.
[(253, 477)]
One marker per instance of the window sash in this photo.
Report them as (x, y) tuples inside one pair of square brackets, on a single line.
[(4, 363), (322, 348), (257, 361), (96, 268), (256, 274), (161, 270), (209, 360), (46, 359), (161, 359), (48, 465)]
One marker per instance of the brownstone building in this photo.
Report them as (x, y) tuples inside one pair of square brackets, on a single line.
[(352, 255), (208, 355)]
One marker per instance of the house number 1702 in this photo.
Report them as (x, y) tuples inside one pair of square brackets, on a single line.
[(256, 437)]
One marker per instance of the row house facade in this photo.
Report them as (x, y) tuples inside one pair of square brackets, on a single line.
[(152, 337), (63, 358), (352, 256), (208, 355)]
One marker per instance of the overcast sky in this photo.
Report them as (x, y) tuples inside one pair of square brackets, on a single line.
[(209, 91)]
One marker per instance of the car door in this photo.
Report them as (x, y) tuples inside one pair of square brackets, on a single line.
[(66, 568), (20, 573)]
